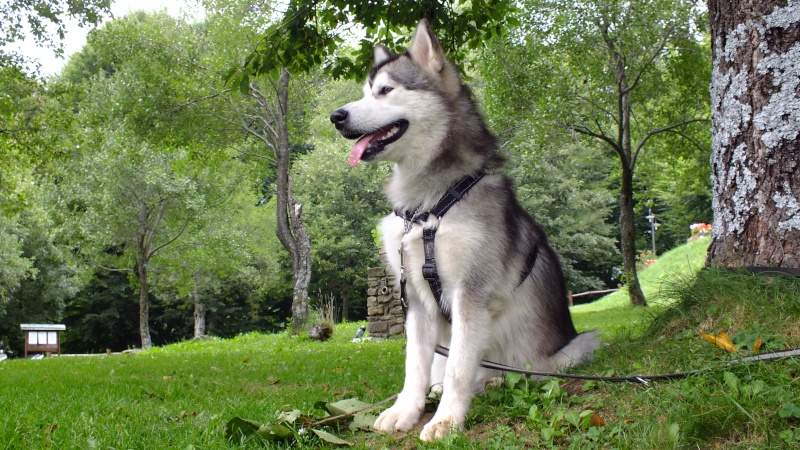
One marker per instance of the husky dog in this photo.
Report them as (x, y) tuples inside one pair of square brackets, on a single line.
[(501, 284)]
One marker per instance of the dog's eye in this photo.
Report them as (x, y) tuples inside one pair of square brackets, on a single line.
[(385, 90)]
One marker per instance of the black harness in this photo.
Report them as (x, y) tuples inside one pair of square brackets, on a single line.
[(454, 193)]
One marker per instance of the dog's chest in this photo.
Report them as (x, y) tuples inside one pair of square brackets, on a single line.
[(405, 252)]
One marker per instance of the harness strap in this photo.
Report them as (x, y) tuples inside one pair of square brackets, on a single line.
[(429, 271), (455, 193)]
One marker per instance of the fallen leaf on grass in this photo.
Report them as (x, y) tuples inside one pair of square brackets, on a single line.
[(288, 415), (237, 429), (363, 421), (721, 340), (596, 420), (345, 406), (50, 430), (331, 439), (757, 345)]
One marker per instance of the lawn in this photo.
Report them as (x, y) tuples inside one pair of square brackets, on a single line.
[(182, 396), (613, 313)]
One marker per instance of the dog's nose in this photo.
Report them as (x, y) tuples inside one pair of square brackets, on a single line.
[(339, 116)]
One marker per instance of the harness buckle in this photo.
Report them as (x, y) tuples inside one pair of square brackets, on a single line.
[(429, 271)]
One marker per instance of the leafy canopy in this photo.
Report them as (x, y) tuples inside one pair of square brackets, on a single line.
[(319, 33)]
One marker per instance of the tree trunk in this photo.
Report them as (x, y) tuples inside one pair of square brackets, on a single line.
[(199, 314), (755, 90), (143, 251), (301, 263), (627, 223), (290, 229), (144, 303), (627, 227)]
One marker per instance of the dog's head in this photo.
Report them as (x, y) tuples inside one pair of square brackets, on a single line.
[(405, 108)]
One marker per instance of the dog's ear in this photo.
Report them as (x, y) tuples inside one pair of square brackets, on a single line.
[(381, 54), (425, 49)]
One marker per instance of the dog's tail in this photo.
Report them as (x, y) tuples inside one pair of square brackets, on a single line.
[(579, 350)]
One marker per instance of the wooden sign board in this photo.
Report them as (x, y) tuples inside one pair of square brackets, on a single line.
[(42, 338)]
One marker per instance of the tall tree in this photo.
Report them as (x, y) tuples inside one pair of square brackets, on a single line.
[(600, 69), (146, 166), (262, 109), (756, 153)]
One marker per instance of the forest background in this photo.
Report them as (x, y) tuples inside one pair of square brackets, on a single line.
[(137, 175)]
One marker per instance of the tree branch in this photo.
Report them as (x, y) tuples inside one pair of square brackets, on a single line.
[(586, 131), (185, 224), (651, 59), (652, 133)]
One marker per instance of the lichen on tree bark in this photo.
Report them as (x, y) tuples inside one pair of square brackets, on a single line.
[(756, 124)]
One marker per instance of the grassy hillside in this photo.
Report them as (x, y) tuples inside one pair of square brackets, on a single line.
[(181, 396), (613, 312)]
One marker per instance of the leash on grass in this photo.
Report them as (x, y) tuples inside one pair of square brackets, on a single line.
[(642, 379)]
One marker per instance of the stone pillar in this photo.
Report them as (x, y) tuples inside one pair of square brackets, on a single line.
[(384, 313)]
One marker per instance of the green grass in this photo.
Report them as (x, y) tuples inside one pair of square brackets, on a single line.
[(181, 396), (613, 313)]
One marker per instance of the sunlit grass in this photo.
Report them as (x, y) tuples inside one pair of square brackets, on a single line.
[(613, 312), (181, 396), (184, 393)]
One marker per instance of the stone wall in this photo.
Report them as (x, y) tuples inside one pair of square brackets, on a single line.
[(384, 313)]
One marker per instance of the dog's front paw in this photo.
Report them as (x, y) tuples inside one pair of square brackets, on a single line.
[(438, 428), (399, 417)]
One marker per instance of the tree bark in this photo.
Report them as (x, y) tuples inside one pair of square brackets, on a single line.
[(290, 229), (627, 227), (346, 303), (141, 276), (144, 303), (755, 90), (199, 314)]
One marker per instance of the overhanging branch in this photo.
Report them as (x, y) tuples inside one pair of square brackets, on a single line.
[(602, 137), (652, 133)]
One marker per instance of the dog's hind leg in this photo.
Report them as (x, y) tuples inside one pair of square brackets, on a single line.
[(422, 332), (437, 373), (468, 342)]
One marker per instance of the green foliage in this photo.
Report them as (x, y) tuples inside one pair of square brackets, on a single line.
[(14, 266), (563, 187), (99, 317), (342, 207), (559, 419), (311, 34), (38, 16)]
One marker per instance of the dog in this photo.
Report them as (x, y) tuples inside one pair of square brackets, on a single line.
[(503, 294)]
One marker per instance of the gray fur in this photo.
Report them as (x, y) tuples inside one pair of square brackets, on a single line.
[(499, 311)]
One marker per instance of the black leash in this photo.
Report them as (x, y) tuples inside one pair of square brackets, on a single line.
[(643, 379)]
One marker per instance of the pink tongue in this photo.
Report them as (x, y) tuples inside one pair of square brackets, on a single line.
[(361, 146)]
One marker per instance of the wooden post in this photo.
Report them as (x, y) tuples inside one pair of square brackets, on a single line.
[(569, 296)]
